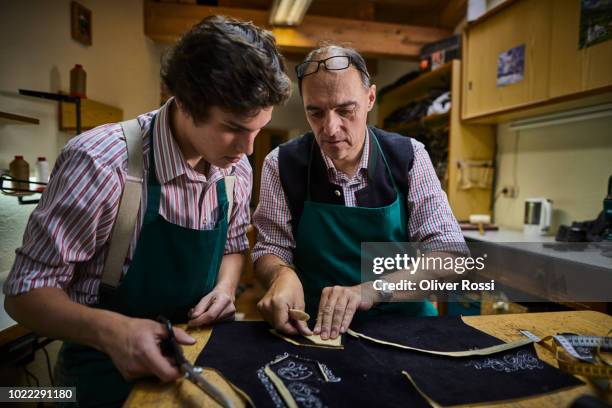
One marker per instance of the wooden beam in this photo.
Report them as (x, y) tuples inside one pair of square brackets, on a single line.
[(453, 12), (350, 9), (165, 22)]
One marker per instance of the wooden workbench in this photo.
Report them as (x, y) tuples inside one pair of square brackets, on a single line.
[(505, 327)]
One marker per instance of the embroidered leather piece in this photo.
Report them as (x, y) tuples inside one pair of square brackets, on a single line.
[(301, 382), (277, 401), (240, 349), (445, 380), (371, 374), (511, 362)]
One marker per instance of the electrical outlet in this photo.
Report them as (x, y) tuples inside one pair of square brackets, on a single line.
[(510, 191)]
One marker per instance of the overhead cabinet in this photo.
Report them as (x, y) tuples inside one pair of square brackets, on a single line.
[(554, 69), (574, 70)]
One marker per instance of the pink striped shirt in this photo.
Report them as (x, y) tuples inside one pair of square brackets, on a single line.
[(66, 239), (430, 222)]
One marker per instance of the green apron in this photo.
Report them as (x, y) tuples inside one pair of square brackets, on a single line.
[(172, 269), (328, 246)]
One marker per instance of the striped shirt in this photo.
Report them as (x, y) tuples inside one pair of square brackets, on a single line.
[(431, 221), (66, 239)]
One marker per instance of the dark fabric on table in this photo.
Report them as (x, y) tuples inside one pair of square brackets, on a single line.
[(371, 373), (502, 376), (444, 333), (239, 349)]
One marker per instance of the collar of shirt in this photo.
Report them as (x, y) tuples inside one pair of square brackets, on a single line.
[(335, 174), (169, 160)]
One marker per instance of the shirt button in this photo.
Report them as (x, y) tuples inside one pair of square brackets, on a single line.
[(337, 193)]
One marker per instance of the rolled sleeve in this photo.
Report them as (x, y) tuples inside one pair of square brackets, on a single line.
[(272, 217), (431, 219), (71, 223)]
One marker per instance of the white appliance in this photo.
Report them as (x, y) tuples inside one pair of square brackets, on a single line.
[(538, 213)]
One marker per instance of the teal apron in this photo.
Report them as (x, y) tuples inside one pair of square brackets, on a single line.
[(328, 246), (172, 269)]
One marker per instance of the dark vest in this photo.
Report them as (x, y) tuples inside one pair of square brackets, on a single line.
[(293, 158)]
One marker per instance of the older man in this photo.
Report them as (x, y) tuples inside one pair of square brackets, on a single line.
[(331, 189)]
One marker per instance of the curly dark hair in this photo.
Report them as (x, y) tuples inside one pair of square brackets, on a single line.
[(226, 63)]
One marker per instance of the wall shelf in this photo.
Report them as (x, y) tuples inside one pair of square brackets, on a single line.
[(13, 119), (465, 141), (77, 114), (93, 114), (429, 121), (421, 85)]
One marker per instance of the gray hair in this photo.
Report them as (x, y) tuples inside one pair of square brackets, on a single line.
[(330, 50)]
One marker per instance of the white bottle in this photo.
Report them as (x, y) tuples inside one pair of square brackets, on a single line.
[(42, 172)]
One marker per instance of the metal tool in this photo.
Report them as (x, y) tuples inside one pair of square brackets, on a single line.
[(171, 348)]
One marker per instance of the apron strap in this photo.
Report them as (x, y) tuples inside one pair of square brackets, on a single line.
[(230, 182), (128, 208)]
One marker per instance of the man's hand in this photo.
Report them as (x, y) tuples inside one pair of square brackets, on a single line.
[(217, 306), (285, 293), (337, 307), (135, 350)]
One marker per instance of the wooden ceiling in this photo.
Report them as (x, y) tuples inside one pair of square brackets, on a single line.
[(430, 13), (376, 28)]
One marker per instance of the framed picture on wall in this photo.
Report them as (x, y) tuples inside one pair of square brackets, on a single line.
[(80, 23)]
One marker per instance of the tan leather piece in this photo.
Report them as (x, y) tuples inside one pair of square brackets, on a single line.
[(297, 314), (316, 339)]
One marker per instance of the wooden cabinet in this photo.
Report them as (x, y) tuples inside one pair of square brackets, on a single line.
[(465, 141), (574, 70), (525, 23), (557, 74)]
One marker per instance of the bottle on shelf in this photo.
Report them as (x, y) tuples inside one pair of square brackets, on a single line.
[(20, 169), (42, 172), (78, 81)]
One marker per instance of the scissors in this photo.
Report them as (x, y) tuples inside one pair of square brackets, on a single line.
[(171, 348)]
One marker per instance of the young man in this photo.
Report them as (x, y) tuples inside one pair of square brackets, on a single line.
[(342, 184), (185, 255)]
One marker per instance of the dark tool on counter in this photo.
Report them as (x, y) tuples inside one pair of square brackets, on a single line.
[(171, 348), (597, 230)]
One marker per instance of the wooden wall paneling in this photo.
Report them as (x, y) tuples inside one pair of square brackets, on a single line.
[(466, 142)]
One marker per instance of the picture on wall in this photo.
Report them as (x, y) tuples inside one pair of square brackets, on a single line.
[(511, 66), (595, 22), (80, 23)]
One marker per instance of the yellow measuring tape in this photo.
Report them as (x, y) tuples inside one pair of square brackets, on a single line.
[(580, 355)]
